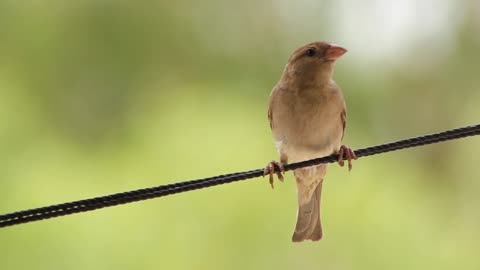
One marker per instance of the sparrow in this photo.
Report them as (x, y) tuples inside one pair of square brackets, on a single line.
[(308, 116)]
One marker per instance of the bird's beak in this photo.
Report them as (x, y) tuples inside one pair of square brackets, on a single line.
[(334, 52)]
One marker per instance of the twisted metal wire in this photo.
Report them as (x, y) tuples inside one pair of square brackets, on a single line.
[(164, 190)]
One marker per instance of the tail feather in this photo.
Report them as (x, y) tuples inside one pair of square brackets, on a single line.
[(308, 225)]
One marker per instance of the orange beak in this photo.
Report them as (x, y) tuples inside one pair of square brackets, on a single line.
[(334, 52)]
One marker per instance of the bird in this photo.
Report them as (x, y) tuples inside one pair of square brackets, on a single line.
[(308, 117)]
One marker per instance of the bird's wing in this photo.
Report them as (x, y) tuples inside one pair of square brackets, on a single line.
[(270, 118), (343, 117), (270, 107)]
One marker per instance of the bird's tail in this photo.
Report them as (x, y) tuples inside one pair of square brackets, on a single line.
[(308, 225)]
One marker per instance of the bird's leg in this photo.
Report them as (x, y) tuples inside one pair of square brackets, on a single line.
[(270, 170), (347, 152)]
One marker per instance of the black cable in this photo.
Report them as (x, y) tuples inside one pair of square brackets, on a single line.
[(159, 191)]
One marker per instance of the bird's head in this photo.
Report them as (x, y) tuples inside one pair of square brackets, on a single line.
[(313, 63)]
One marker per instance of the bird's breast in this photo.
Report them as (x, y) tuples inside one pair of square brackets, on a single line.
[(308, 127)]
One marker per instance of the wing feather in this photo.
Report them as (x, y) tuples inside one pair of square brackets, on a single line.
[(343, 117), (270, 107)]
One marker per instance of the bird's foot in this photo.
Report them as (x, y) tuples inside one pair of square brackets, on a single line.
[(270, 170), (347, 152)]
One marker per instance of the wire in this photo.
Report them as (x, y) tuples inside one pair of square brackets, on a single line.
[(164, 190)]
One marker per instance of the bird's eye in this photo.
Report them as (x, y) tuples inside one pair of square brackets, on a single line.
[(311, 52)]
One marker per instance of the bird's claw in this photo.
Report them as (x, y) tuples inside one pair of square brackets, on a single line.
[(347, 152), (270, 169)]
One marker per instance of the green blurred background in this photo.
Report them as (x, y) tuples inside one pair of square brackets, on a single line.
[(98, 97)]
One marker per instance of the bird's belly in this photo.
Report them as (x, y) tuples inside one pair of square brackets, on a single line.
[(310, 146), (302, 138)]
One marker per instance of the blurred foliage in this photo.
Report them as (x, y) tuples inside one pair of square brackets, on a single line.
[(98, 97)]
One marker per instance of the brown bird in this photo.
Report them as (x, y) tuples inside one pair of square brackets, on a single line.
[(307, 115)]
